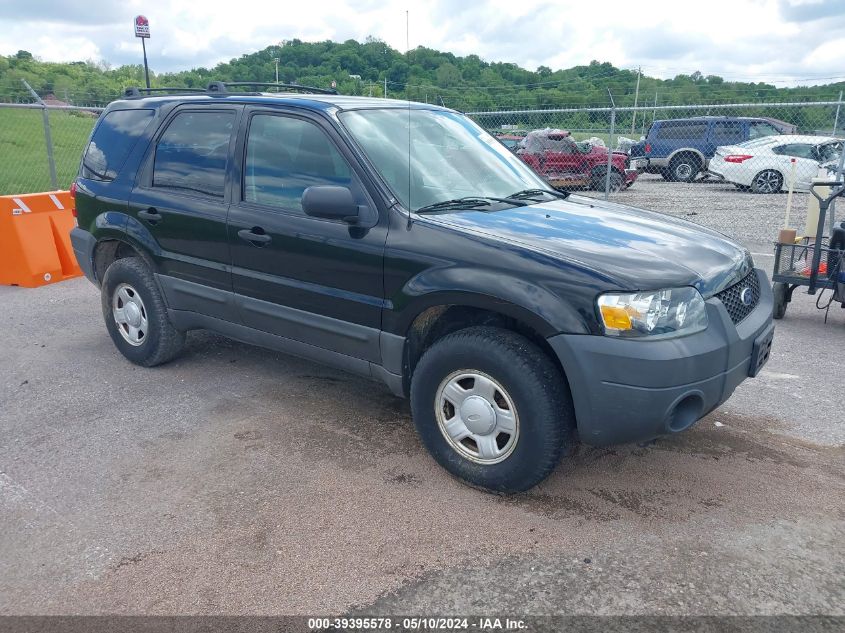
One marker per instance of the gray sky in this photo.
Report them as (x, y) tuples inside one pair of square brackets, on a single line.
[(778, 41)]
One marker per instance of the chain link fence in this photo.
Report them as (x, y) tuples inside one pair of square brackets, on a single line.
[(759, 147), (41, 145)]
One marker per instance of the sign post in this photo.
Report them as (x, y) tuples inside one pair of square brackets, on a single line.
[(142, 30)]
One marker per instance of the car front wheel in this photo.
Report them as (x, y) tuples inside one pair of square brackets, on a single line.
[(492, 409)]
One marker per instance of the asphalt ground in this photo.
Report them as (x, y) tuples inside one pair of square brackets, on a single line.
[(240, 481)]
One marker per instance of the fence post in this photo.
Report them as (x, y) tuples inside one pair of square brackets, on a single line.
[(836, 118), (54, 181), (610, 146)]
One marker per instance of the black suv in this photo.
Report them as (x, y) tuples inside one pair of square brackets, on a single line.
[(402, 242)]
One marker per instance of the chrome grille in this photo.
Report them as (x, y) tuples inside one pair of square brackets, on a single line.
[(732, 297)]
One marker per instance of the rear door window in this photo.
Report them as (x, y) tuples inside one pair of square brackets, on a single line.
[(192, 153), (799, 150), (114, 138), (670, 130)]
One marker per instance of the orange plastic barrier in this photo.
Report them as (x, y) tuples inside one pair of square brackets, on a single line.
[(35, 247)]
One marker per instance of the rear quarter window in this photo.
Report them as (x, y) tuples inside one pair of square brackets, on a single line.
[(114, 138), (670, 130)]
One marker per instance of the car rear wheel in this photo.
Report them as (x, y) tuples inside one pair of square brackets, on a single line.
[(684, 168), (136, 316), (767, 181), (492, 409)]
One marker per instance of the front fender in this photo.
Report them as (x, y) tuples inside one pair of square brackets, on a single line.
[(528, 302)]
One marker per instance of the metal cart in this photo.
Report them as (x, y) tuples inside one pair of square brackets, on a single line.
[(811, 262)]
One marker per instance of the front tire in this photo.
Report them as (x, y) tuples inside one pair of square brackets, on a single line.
[(492, 409), (136, 315), (598, 180)]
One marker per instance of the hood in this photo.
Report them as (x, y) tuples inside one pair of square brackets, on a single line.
[(633, 248)]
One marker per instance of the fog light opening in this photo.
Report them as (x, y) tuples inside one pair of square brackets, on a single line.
[(685, 413)]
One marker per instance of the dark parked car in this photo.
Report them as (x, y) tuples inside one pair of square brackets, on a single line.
[(403, 243), (679, 149)]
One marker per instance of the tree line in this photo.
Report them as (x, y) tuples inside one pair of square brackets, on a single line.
[(423, 74)]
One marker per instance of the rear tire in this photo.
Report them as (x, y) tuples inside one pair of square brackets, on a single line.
[(684, 168), (492, 409), (136, 315), (767, 181)]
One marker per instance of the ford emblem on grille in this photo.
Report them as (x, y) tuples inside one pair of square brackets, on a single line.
[(746, 296)]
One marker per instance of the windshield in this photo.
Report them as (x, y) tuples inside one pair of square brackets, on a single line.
[(451, 157)]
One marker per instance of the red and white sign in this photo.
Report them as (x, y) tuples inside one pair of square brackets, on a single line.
[(142, 26)]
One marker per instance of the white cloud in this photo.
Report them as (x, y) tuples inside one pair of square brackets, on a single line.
[(772, 40)]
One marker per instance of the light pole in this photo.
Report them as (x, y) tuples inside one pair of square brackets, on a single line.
[(277, 60)]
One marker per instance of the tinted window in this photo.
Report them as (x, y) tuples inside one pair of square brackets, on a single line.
[(192, 152), (114, 138), (681, 130), (760, 129), (727, 132), (285, 156)]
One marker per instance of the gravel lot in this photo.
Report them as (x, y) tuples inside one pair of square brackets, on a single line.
[(236, 480)]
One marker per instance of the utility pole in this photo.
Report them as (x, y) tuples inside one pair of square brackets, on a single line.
[(277, 60), (636, 98), (385, 86)]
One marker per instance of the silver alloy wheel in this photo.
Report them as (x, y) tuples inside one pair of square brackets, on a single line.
[(129, 314), (683, 171), (768, 181), (477, 416)]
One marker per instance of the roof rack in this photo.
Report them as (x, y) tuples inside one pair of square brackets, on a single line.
[(135, 91), (220, 87)]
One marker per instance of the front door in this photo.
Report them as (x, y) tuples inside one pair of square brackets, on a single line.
[(312, 280)]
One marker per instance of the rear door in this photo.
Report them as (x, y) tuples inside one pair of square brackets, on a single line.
[(180, 203), (308, 279)]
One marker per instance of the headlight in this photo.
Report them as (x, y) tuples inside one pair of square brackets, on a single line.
[(660, 313)]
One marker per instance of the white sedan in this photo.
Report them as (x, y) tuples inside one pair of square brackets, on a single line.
[(764, 165)]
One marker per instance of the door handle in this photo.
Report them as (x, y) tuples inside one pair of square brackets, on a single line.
[(151, 215), (254, 237)]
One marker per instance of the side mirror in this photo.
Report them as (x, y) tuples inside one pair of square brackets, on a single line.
[(328, 201)]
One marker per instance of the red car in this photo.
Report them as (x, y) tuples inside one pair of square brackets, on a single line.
[(556, 156)]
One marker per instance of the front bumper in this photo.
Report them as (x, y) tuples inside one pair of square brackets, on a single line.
[(629, 391)]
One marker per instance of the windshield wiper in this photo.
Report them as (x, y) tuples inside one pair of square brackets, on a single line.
[(530, 194), (468, 203)]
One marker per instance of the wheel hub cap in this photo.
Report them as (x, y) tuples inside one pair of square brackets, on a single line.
[(133, 314), (478, 415)]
